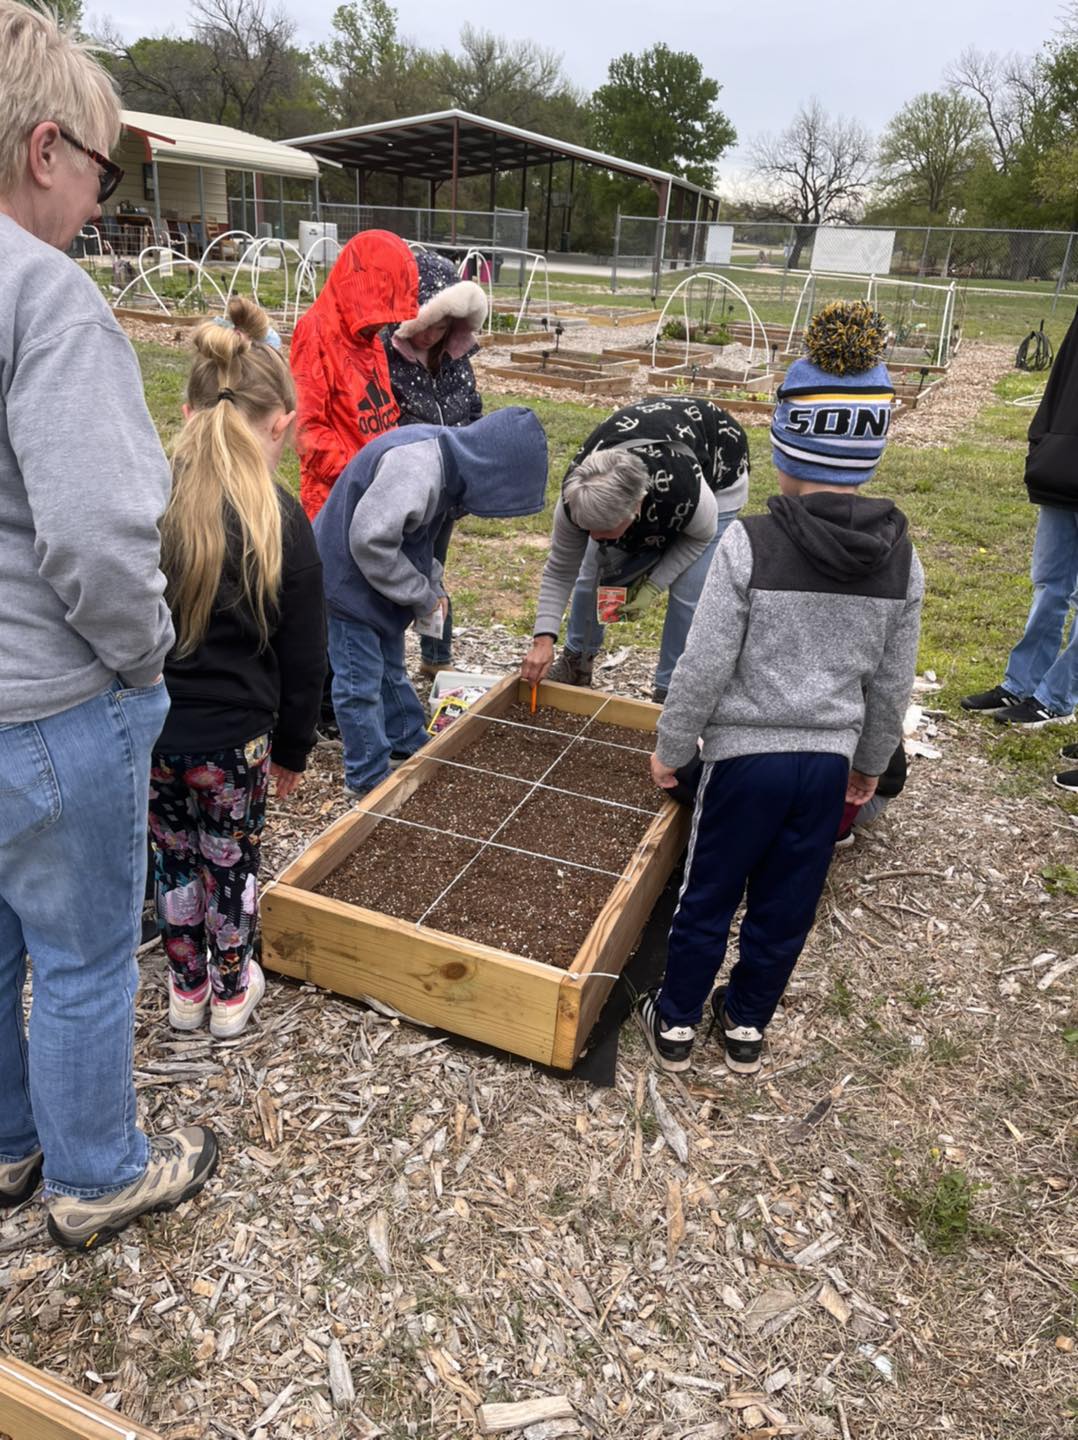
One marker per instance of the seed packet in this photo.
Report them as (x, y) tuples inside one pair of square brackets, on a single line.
[(608, 602), (430, 625)]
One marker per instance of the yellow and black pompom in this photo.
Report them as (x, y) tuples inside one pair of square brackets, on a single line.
[(846, 337)]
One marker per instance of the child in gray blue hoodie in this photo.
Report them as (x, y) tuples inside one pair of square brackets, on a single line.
[(376, 536)]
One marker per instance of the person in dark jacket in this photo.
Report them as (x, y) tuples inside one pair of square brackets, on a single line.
[(1040, 684), (430, 370), (245, 676), (376, 535)]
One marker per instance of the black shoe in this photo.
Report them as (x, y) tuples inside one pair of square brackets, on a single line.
[(670, 1044), (995, 699), (1031, 715), (1068, 780), (658, 695), (744, 1044), (1069, 752)]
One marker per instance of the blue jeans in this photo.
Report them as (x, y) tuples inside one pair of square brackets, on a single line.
[(440, 651), (375, 703), (585, 634), (1038, 666), (73, 806), (766, 823)]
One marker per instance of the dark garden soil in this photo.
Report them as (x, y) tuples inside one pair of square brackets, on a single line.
[(542, 908)]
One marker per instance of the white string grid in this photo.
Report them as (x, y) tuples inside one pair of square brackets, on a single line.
[(573, 739)]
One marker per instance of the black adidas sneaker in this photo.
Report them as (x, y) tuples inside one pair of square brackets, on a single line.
[(995, 699), (744, 1045), (670, 1044)]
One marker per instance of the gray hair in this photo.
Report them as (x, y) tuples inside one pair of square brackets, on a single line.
[(47, 73), (605, 489)]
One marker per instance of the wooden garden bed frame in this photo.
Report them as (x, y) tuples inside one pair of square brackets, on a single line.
[(563, 378), (37, 1406), (517, 1004)]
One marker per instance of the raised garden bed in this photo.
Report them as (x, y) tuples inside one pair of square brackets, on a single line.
[(590, 362), (667, 352), (422, 898), (522, 337), (553, 376), (712, 381)]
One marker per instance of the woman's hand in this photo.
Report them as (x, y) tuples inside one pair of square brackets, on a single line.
[(538, 660), (285, 781), (860, 788), (663, 776)]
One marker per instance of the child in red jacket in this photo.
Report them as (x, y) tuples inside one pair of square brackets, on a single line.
[(338, 360)]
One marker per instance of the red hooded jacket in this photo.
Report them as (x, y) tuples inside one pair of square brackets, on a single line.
[(342, 376)]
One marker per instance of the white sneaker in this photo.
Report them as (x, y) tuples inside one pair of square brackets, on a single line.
[(187, 1008), (229, 1018)]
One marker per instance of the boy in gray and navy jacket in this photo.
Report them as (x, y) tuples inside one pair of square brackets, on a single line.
[(795, 677)]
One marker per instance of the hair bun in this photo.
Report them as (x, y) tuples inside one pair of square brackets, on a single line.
[(248, 317), (846, 337)]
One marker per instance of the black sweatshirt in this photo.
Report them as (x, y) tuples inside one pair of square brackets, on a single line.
[(1052, 462), (231, 688)]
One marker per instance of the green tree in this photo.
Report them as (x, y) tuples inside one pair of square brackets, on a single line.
[(928, 150), (659, 109)]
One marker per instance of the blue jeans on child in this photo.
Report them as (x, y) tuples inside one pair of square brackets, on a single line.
[(73, 804), (768, 823), (585, 634), (1038, 666), (377, 709)]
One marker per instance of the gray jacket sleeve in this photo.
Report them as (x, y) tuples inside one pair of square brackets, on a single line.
[(711, 651), (403, 496), (691, 543), (888, 692), (567, 545), (97, 483)]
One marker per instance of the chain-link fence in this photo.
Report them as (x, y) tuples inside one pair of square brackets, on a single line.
[(1044, 260), (485, 229)]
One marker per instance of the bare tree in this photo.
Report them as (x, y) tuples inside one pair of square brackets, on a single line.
[(1011, 90), (817, 170), (508, 80)]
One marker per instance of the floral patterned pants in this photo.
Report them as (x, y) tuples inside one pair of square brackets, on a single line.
[(206, 818)]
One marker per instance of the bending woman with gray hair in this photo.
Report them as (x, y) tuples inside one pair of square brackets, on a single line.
[(643, 505)]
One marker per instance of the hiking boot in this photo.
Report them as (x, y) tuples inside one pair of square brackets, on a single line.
[(670, 1044), (743, 1044), (1032, 715), (1068, 780), (430, 668), (180, 1164), (1069, 752), (19, 1179), (571, 668), (228, 1018), (995, 699), (187, 1008)]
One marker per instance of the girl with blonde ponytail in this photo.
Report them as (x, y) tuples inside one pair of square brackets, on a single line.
[(245, 674)]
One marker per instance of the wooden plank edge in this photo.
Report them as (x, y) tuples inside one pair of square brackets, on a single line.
[(36, 1406)]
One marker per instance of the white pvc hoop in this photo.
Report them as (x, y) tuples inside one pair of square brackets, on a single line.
[(755, 323), (227, 235), (173, 259)]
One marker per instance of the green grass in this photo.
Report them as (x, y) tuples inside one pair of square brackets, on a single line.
[(940, 1209)]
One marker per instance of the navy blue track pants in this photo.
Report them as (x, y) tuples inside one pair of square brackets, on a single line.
[(765, 823)]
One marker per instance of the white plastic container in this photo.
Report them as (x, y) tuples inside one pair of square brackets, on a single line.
[(460, 680)]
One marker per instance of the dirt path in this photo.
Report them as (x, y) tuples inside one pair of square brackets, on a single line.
[(469, 1229)]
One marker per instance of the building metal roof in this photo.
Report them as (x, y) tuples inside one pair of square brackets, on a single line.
[(192, 142)]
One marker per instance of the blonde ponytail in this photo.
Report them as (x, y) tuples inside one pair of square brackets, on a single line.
[(222, 489)]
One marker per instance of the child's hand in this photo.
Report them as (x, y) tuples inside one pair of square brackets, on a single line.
[(860, 788), (285, 781), (663, 776)]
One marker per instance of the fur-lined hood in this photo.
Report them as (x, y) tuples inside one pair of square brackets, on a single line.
[(444, 296)]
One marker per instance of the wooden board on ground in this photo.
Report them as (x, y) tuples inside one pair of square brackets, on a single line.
[(557, 379), (671, 353), (522, 337), (515, 1003), (37, 1406), (711, 382), (587, 362)]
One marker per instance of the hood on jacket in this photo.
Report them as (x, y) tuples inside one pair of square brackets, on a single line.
[(443, 295), (845, 537), (496, 468), (374, 282)]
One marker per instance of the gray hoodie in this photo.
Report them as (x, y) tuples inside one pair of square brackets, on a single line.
[(83, 483), (805, 637)]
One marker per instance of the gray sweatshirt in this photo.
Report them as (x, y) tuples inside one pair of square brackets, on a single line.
[(404, 496), (805, 637), (83, 483), (568, 543)]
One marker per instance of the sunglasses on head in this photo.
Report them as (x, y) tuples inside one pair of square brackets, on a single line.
[(110, 173)]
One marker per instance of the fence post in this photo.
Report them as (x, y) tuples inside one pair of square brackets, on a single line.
[(1061, 282), (924, 253), (614, 256)]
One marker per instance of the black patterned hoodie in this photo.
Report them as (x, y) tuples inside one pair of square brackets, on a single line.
[(448, 396)]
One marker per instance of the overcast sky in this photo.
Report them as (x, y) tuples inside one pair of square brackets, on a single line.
[(860, 59)]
